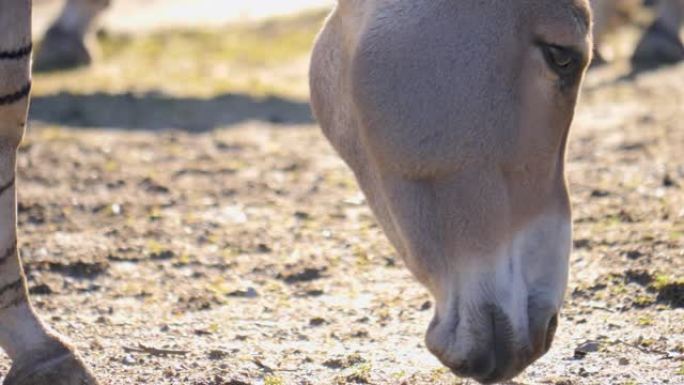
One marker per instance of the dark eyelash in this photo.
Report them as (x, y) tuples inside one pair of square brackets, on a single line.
[(568, 74)]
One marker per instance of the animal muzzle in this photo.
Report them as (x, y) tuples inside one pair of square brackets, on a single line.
[(484, 344)]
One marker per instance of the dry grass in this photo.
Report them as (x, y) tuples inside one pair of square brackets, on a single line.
[(236, 59)]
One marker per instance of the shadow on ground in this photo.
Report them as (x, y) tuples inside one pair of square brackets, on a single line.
[(156, 111)]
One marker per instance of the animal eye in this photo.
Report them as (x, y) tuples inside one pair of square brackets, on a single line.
[(562, 60)]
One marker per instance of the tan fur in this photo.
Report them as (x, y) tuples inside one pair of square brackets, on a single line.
[(67, 43), (455, 128)]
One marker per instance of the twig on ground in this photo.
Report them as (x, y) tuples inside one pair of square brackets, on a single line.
[(154, 351), (643, 349), (268, 369)]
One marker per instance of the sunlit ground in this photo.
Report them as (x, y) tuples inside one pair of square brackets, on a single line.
[(263, 59)]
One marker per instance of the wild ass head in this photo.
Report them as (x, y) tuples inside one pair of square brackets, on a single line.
[(454, 117)]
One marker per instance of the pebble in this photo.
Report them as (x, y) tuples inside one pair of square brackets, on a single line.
[(128, 360), (317, 321), (250, 292), (217, 354), (587, 347)]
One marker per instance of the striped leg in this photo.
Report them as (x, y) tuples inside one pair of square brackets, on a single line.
[(65, 43), (662, 42), (40, 357)]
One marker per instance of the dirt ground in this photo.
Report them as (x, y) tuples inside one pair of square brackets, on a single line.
[(180, 242)]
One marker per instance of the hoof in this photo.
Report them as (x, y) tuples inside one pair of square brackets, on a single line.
[(61, 50), (59, 365), (659, 46)]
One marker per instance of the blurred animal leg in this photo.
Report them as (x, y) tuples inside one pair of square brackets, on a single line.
[(66, 43), (40, 356), (662, 42)]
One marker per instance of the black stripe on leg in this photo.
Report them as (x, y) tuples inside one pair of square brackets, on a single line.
[(17, 301), (18, 297), (12, 286), (16, 54), (7, 185), (9, 252), (16, 96)]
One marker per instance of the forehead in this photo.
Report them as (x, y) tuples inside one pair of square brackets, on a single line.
[(477, 18), (457, 72), (571, 14)]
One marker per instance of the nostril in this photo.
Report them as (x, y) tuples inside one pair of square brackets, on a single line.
[(481, 366), (550, 332), (460, 368)]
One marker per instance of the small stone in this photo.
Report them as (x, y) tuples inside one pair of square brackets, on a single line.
[(599, 193), (583, 372), (316, 321), (264, 248), (305, 275), (162, 255), (302, 215), (250, 292), (314, 292), (41, 289), (217, 354), (623, 361), (128, 360), (587, 347), (633, 254), (668, 181)]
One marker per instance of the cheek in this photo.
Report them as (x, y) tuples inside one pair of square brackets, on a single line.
[(545, 117), (424, 110)]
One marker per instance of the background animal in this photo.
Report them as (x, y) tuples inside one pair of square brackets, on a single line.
[(660, 43)]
